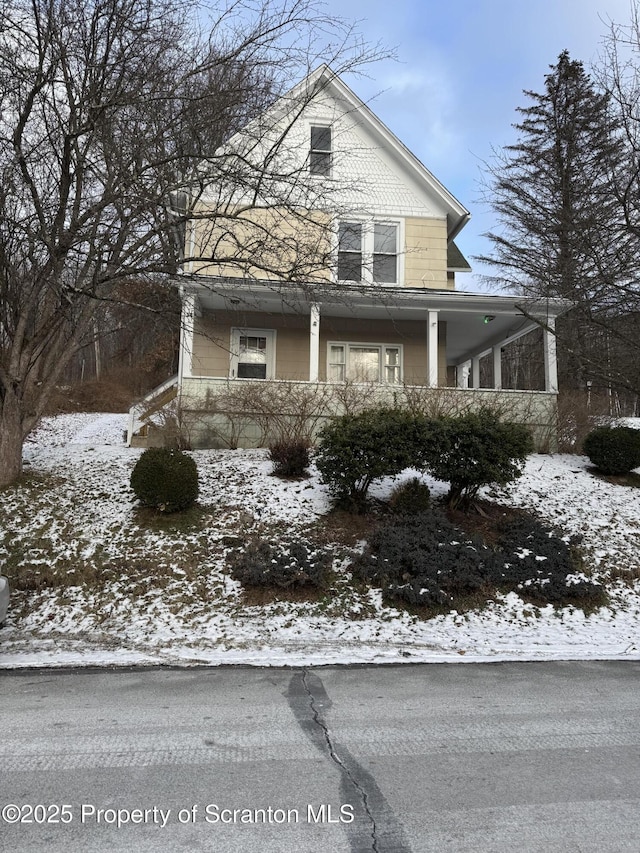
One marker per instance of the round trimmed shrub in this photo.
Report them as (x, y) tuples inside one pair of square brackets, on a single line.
[(411, 498), (613, 450), (165, 479)]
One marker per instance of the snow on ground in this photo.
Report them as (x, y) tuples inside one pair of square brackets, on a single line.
[(78, 504)]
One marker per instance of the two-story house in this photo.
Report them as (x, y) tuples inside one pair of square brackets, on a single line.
[(323, 253)]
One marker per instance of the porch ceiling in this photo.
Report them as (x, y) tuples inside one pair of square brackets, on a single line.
[(475, 322)]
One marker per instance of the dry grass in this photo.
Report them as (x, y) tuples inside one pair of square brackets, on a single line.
[(485, 519), (632, 480), (96, 395)]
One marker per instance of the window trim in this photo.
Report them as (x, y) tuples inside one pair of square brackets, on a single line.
[(238, 332), (368, 244), (381, 347)]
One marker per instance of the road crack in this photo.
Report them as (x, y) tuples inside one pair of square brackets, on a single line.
[(319, 721)]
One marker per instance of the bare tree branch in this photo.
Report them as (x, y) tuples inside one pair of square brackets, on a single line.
[(114, 119)]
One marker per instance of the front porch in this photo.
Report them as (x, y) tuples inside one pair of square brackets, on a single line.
[(242, 329), (250, 346)]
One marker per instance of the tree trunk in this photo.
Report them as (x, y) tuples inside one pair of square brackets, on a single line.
[(11, 439), (97, 349)]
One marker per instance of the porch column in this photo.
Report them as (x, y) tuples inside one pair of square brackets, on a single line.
[(432, 349), (314, 342), (497, 366), (550, 358), (475, 372), (187, 319)]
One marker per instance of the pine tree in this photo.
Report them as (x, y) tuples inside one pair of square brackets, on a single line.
[(562, 231)]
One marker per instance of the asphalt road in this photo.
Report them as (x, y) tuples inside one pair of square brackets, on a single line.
[(525, 757)]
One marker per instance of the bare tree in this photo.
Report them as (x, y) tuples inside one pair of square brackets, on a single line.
[(619, 74), (113, 121)]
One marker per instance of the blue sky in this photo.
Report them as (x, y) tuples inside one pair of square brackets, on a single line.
[(460, 73)]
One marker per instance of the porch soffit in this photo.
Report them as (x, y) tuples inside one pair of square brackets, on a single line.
[(475, 322)]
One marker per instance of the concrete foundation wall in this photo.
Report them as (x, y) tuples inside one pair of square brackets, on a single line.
[(245, 413)]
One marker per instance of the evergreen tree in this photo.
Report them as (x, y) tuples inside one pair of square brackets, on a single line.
[(562, 227)]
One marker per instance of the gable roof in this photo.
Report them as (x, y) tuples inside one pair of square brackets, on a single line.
[(324, 81)]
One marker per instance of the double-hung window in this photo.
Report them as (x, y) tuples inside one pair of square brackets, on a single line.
[(380, 363), (385, 252), (320, 154), (350, 251), (252, 353), (368, 251)]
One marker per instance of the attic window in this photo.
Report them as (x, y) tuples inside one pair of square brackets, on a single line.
[(320, 156)]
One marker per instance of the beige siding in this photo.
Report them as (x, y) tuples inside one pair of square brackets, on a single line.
[(213, 337), (210, 350), (263, 243), (212, 341), (275, 244), (425, 262), (292, 351)]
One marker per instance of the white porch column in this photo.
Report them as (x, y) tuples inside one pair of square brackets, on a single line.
[(187, 322), (432, 349), (497, 366), (314, 342), (550, 357), (475, 372)]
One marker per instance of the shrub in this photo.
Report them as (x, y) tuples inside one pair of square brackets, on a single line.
[(290, 457), (410, 498), (166, 479), (283, 565), (355, 450), (544, 568), (425, 560), (613, 450), (476, 449)]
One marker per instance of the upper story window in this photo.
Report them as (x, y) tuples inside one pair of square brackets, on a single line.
[(320, 156), (385, 252), (350, 251), (368, 252)]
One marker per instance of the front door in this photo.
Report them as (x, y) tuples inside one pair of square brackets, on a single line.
[(252, 353)]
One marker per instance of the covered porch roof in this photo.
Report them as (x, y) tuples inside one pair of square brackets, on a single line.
[(476, 322)]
